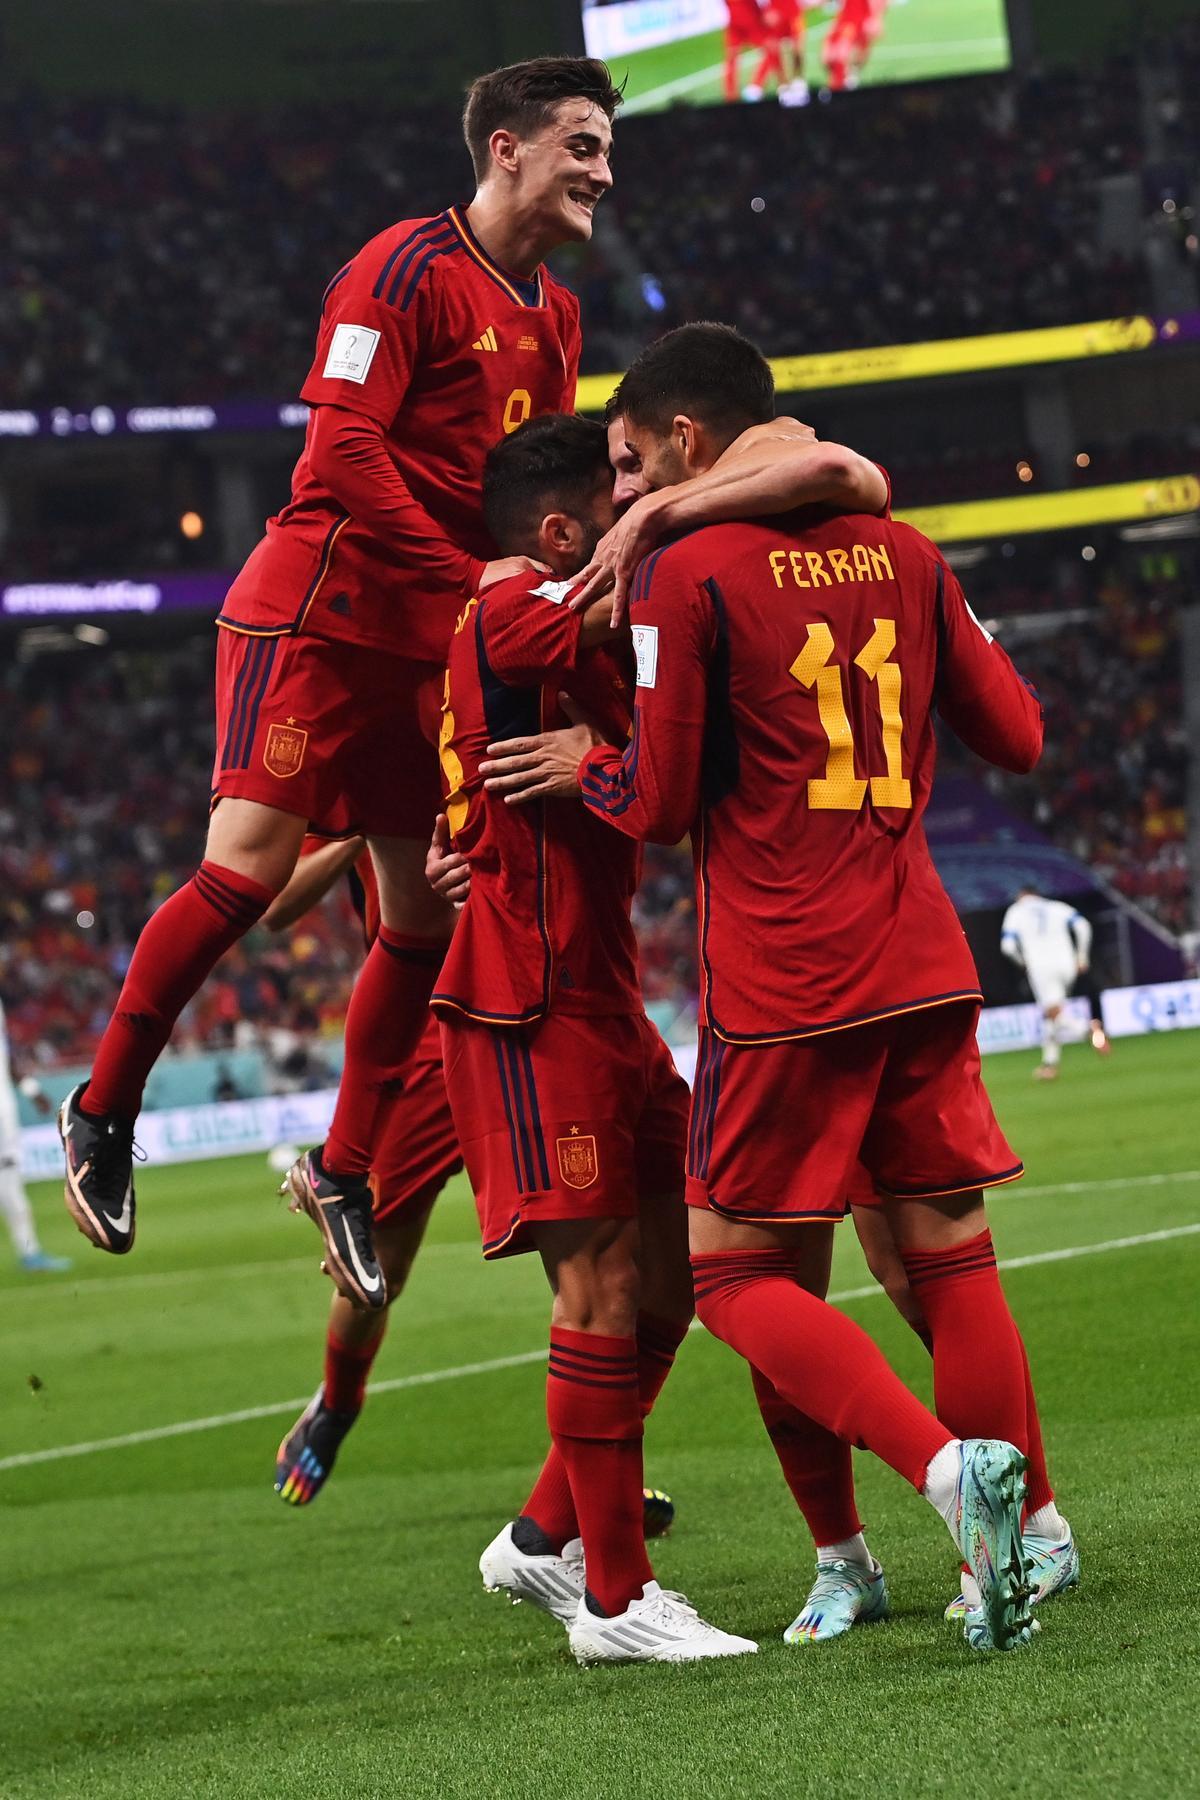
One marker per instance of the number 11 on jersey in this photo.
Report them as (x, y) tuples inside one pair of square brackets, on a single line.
[(839, 789)]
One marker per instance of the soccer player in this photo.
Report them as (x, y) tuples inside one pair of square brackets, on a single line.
[(436, 337), (15, 1209), (1052, 943), (744, 30), (786, 678)]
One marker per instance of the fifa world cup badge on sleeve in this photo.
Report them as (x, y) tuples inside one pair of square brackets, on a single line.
[(645, 648), (578, 1163), (283, 751), (350, 353)]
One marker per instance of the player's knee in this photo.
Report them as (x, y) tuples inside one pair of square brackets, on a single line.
[(604, 1297), (259, 842)]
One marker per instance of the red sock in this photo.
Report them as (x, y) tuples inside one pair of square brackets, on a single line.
[(595, 1415), (347, 1367), (771, 64), (815, 1357), (384, 1021), (1038, 1492), (550, 1505), (179, 947), (978, 1364), (816, 1465)]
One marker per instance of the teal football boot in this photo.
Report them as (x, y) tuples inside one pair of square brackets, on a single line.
[(844, 1594)]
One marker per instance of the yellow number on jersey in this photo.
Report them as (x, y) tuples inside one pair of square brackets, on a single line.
[(517, 409), (839, 789), (452, 769)]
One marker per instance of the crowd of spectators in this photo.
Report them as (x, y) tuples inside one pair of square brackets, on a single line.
[(156, 255), (105, 769)]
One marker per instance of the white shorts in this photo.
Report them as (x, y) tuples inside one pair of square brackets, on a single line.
[(1051, 982)]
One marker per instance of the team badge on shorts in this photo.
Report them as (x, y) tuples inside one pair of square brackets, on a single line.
[(283, 751), (578, 1163)]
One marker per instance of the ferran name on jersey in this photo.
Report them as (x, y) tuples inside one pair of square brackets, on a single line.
[(645, 648), (351, 352)]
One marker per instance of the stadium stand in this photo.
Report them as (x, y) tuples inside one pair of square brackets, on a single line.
[(157, 256)]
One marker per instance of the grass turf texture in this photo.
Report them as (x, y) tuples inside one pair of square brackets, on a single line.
[(168, 1627), (921, 40)]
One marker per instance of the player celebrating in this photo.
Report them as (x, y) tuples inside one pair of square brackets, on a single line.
[(1052, 942), (745, 29), (436, 337), (839, 996)]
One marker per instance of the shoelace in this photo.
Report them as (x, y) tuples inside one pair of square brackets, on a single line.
[(113, 1144), (669, 1604)]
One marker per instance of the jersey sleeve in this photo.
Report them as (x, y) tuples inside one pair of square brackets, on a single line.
[(530, 635), (367, 348), (652, 788), (982, 698)]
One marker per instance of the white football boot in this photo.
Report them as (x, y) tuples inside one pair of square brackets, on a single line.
[(554, 1583), (658, 1627)]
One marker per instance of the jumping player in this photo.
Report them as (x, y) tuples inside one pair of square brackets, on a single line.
[(839, 997), (438, 336)]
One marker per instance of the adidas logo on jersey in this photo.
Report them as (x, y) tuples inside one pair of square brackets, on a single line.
[(487, 341)]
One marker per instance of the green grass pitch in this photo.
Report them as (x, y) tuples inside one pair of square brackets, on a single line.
[(169, 1628), (921, 40)]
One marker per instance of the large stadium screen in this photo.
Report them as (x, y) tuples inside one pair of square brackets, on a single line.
[(706, 51)]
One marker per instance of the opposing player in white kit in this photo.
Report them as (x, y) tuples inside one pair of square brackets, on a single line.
[(1052, 942), (14, 1201)]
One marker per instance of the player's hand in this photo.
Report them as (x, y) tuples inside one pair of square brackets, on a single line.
[(503, 567), (617, 555), (446, 869), (539, 768)]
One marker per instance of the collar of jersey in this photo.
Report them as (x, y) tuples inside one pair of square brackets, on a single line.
[(524, 293)]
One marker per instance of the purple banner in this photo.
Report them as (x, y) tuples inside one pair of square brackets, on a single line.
[(984, 851), (95, 599)]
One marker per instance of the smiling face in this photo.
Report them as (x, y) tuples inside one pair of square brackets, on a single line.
[(629, 483), (562, 172)]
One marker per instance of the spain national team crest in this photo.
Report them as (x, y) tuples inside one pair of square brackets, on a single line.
[(283, 751), (578, 1163)]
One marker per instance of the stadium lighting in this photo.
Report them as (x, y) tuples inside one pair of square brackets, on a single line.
[(1083, 460), (191, 525), (1088, 553), (1024, 471)]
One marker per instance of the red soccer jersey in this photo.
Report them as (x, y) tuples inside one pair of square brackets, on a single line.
[(426, 337), (787, 675), (547, 926)]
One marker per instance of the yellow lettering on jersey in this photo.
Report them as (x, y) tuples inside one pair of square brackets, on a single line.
[(839, 789), (452, 769), (839, 562), (796, 558), (517, 409), (880, 563), (862, 562), (778, 561), (892, 789), (817, 569)]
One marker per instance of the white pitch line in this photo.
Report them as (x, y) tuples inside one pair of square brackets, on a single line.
[(235, 1271), (185, 1427)]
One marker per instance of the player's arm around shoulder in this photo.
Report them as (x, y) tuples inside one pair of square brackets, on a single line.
[(652, 788), (981, 696)]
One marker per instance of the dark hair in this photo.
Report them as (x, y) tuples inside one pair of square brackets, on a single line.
[(549, 464), (523, 96), (707, 372), (612, 406)]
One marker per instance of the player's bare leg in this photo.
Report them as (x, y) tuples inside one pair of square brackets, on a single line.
[(1047, 1069), (306, 1456), (384, 1022), (250, 854), (820, 1362)]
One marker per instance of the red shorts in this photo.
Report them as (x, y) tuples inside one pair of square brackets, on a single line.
[(569, 1118), (339, 734), (420, 1152), (778, 1131)]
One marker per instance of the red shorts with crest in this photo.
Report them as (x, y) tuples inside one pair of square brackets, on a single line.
[(341, 735), (568, 1118), (420, 1150), (783, 1133)]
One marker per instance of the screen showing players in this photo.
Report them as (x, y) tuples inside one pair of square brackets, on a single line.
[(702, 52)]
